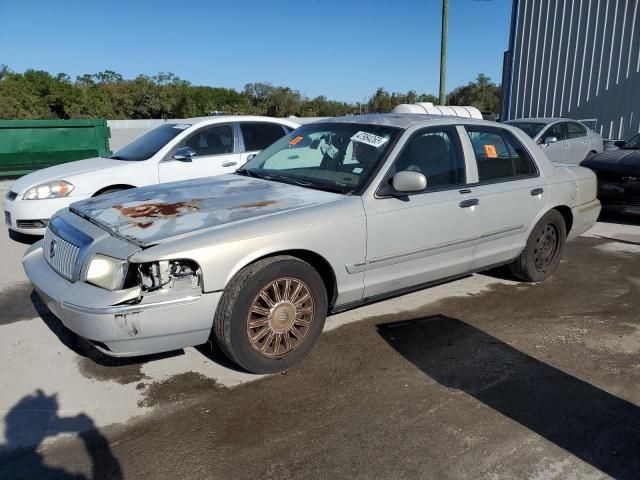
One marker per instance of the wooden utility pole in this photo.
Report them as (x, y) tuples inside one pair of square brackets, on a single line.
[(443, 52)]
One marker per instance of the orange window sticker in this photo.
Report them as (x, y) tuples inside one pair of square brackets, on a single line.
[(490, 150), (296, 140)]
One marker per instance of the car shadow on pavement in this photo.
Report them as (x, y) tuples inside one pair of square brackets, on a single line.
[(212, 352), (586, 421), (82, 347), (34, 418)]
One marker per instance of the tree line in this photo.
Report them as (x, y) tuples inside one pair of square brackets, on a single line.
[(36, 94)]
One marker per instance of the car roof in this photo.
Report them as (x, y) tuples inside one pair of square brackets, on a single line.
[(233, 118), (545, 120), (405, 120)]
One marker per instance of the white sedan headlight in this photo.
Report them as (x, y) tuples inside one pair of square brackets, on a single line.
[(55, 189), (106, 272)]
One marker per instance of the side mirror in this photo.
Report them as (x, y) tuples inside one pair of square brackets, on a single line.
[(550, 140), (184, 154), (619, 143), (250, 156), (408, 181)]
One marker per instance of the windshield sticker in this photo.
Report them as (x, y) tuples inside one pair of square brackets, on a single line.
[(490, 150), (182, 126), (296, 140), (329, 149), (369, 139), (357, 170)]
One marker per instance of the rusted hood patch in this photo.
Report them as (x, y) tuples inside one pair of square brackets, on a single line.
[(151, 214)]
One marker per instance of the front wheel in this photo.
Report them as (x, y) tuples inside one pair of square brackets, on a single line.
[(544, 249), (271, 314)]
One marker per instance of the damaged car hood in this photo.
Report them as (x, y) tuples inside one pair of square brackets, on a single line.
[(152, 214)]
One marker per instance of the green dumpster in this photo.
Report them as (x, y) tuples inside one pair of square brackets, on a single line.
[(28, 145)]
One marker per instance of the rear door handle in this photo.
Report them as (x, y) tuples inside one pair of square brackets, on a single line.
[(537, 191), (229, 164), (472, 202)]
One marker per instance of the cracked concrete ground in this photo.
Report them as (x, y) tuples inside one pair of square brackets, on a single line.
[(479, 378)]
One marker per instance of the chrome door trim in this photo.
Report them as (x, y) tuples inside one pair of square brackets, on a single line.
[(394, 259)]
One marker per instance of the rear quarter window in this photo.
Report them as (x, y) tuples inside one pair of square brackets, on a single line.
[(499, 155), (575, 130)]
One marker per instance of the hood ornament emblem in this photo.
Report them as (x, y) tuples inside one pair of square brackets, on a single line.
[(52, 248)]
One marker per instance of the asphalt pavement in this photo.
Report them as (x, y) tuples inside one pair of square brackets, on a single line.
[(484, 377)]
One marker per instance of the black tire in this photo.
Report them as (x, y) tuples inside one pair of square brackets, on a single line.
[(231, 325), (590, 155), (544, 249)]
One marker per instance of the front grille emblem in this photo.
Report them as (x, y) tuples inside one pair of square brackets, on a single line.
[(52, 248)]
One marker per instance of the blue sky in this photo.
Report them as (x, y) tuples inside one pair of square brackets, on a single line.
[(343, 49)]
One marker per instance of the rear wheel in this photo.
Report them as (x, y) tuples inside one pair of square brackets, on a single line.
[(271, 314), (544, 249)]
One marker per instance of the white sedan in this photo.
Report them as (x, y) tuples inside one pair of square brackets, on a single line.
[(173, 151)]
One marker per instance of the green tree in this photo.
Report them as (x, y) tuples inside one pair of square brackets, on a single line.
[(37, 94), (482, 94)]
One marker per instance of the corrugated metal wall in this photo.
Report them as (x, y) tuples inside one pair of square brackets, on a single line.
[(575, 58)]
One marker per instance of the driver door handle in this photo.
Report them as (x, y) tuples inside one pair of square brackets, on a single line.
[(229, 164)]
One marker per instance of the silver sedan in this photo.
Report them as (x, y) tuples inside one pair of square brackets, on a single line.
[(563, 140), (332, 216)]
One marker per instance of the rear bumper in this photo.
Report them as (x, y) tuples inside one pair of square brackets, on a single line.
[(164, 323), (584, 217)]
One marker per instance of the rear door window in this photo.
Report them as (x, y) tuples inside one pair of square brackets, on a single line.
[(575, 130), (259, 135), (499, 155)]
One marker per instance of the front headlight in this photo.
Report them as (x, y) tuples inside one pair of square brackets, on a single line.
[(106, 272), (55, 189)]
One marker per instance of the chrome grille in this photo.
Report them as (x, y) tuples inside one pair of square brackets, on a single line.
[(60, 254)]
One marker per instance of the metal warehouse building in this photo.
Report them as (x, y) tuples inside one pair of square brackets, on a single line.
[(575, 58)]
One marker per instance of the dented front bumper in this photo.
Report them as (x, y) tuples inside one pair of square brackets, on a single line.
[(160, 322)]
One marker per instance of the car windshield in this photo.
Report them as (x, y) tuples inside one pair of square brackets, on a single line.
[(633, 144), (530, 128), (336, 157), (148, 144)]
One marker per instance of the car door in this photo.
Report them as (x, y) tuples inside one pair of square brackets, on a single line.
[(216, 154), (417, 238), (557, 151), (578, 140), (256, 136), (510, 192)]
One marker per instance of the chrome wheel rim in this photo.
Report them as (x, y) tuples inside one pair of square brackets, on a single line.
[(280, 317), (546, 247)]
